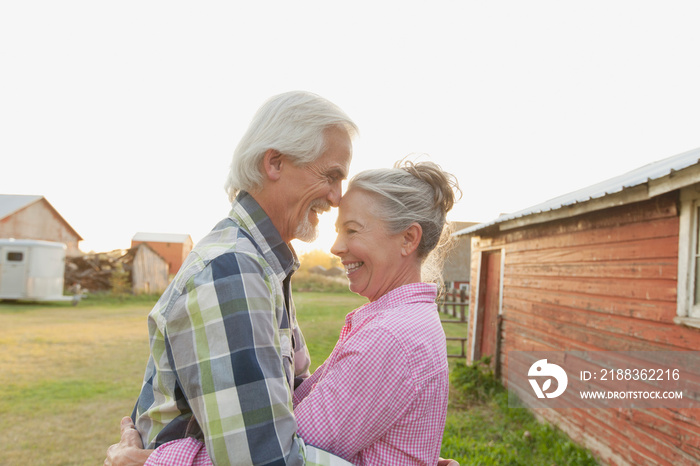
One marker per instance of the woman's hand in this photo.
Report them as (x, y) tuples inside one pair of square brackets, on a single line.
[(129, 451)]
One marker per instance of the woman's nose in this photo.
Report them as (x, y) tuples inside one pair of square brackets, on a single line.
[(338, 247)]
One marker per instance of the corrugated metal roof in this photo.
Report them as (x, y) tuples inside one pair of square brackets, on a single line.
[(652, 171), (11, 203), (161, 237)]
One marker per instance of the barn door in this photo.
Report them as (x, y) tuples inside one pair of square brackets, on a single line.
[(13, 271), (489, 304)]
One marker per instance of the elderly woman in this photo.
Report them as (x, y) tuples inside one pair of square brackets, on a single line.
[(381, 396)]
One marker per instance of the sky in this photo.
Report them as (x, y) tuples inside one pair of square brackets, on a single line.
[(124, 115)]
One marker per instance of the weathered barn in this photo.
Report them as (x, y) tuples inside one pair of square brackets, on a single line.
[(149, 271), (33, 217), (174, 248), (611, 267)]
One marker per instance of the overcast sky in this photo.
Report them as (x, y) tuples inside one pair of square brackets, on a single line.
[(124, 115)]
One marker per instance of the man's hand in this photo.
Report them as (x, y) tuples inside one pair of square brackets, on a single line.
[(129, 451), (444, 462)]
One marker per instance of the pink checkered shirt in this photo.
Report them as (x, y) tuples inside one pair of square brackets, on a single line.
[(188, 451), (381, 396)]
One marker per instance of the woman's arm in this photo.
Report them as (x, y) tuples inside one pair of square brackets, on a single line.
[(307, 385), (366, 389)]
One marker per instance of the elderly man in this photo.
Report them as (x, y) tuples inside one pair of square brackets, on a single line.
[(225, 346)]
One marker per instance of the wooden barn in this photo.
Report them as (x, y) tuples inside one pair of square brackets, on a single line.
[(174, 248), (149, 271), (33, 217), (611, 267)]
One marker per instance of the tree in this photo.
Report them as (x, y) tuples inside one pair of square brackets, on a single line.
[(319, 257)]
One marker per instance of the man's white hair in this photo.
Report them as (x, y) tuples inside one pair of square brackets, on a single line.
[(294, 124)]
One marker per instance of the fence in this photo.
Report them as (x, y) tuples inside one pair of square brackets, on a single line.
[(455, 304)]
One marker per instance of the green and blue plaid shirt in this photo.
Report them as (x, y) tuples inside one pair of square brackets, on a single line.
[(226, 347)]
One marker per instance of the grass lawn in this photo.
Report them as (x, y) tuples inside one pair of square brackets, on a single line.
[(69, 374)]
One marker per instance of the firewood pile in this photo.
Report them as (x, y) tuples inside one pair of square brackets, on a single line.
[(94, 272)]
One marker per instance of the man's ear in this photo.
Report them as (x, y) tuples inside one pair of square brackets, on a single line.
[(272, 164), (411, 239)]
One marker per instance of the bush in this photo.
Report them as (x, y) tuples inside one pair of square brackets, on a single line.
[(120, 281), (476, 382), (303, 280)]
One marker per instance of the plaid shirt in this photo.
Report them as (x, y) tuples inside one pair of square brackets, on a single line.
[(381, 396), (226, 347)]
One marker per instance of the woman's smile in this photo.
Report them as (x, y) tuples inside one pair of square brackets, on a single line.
[(372, 257), (352, 267)]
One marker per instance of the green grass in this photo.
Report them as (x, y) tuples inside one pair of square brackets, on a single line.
[(321, 316), (70, 373)]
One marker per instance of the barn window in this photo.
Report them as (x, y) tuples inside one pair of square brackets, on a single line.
[(15, 257), (688, 305)]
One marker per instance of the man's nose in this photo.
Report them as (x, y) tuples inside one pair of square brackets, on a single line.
[(335, 194)]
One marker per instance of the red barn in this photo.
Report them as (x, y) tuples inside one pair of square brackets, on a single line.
[(174, 248), (612, 267)]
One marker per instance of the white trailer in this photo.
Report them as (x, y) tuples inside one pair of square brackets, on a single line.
[(32, 270)]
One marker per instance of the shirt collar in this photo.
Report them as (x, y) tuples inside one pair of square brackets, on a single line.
[(412, 293), (246, 210)]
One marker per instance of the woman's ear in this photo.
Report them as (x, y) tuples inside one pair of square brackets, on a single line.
[(411, 239), (272, 164)]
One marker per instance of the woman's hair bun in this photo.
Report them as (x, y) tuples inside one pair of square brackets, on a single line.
[(444, 185)]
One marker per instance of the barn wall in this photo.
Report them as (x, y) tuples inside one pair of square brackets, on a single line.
[(601, 281), (173, 253), (149, 272), (39, 221)]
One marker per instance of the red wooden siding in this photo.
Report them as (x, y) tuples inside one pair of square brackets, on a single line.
[(601, 281)]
